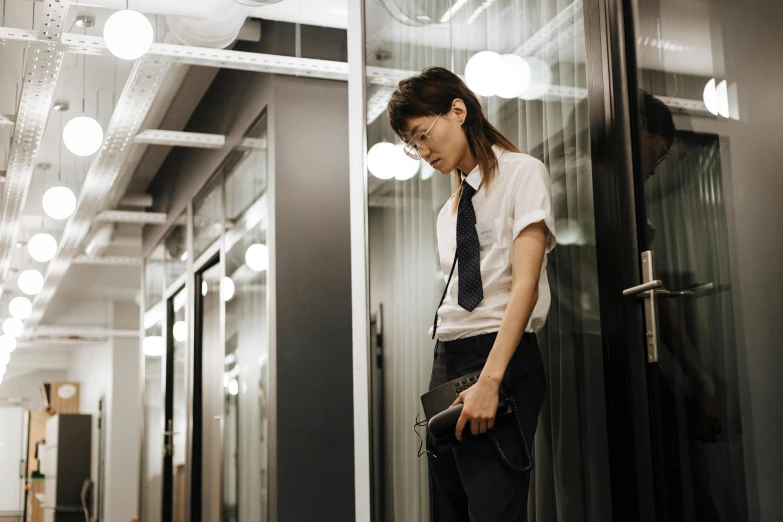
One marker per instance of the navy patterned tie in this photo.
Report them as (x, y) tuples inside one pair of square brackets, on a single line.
[(470, 289)]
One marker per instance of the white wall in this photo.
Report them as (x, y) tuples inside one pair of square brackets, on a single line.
[(123, 421), (91, 366), (28, 386)]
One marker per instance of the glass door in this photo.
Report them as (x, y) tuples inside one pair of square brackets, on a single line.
[(706, 131), (176, 405), (207, 394)]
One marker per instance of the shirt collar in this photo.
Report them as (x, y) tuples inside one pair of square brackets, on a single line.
[(474, 177)]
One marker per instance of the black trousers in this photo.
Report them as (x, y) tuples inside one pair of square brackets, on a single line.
[(468, 480)]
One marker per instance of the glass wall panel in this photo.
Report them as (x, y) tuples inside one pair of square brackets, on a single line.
[(207, 216), (209, 392), (178, 429), (154, 350), (709, 180), (245, 483), (176, 250), (546, 116), (246, 170)]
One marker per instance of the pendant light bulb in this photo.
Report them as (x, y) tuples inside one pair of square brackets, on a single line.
[(83, 136), (128, 34), (59, 202)]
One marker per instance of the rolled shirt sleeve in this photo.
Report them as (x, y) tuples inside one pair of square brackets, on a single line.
[(533, 199)]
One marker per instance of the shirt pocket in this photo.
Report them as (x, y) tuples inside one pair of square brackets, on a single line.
[(497, 255)]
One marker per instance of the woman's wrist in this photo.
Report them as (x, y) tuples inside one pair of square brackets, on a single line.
[(491, 378)]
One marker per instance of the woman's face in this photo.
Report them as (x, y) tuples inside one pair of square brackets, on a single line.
[(653, 149), (445, 147)]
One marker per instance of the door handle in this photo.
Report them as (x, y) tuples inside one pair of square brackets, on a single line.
[(649, 290)]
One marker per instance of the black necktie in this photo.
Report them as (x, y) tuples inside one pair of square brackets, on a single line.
[(470, 290)]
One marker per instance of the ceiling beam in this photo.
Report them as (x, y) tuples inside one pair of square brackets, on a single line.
[(132, 216), (80, 331), (107, 260), (145, 80), (42, 67), (172, 138)]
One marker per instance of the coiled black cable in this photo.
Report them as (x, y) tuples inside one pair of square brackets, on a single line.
[(525, 445)]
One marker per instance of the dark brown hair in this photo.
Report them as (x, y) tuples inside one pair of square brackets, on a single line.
[(431, 93)]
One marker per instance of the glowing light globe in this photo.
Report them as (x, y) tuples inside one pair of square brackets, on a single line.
[(515, 77), (30, 282), (13, 327), (227, 289), (20, 307), (380, 160), (153, 346), (180, 331), (128, 34), (257, 257), (83, 136), (540, 79), (59, 202), (7, 344), (42, 247), (484, 72), (5, 358)]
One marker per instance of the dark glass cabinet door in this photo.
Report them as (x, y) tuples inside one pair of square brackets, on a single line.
[(700, 98)]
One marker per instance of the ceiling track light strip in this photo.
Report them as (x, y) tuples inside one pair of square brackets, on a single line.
[(107, 260), (546, 42), (181, 139), (132, 217), (145, 80), (42, 67)]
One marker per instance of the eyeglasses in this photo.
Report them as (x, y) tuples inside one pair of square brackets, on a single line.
[(681, 156), (412, 147), (665, 154)]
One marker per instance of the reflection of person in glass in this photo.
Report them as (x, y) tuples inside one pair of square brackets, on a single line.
[(698, 399), (496, 230)]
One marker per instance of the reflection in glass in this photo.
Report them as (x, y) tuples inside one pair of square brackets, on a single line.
[(152, 463), (245, 378), (176, 250), (207, 216), (707, 78), (246, 170), (208, 393), (537, 98), (177, 437)]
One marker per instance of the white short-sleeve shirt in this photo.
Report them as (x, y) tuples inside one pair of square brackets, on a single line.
[(519, 195)]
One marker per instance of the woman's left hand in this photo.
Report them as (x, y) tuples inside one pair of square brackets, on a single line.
[(480, 407)]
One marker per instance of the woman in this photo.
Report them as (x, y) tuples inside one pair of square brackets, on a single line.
[(501, 224)]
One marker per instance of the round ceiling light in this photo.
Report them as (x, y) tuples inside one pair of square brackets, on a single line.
[(386, 161), (180, 331), (128, 34), (204, 288), (42, 247), (484, 72), (378, 160), (233, 387), (59, 202), (83, 136), (540, 79), (257, 257), (7, 344), (2, 371), (716, 98), (30, 282), (227, 289), (13, 327), (5, 358), (20, 307), (515, 78), (153, 346)]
